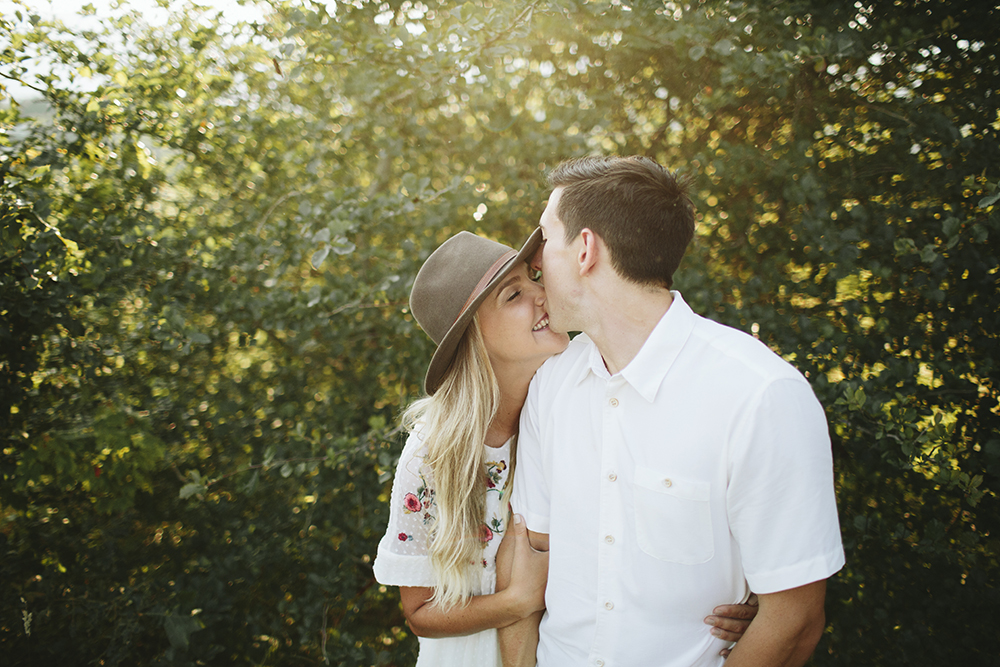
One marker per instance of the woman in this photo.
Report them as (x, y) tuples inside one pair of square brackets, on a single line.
[(448, 513)]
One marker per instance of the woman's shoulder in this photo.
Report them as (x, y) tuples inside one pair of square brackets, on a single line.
[(413, 458)]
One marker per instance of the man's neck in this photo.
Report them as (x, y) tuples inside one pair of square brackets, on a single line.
[(622, 325)]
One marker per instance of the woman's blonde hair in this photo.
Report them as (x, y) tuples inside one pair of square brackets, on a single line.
[(454, 422)]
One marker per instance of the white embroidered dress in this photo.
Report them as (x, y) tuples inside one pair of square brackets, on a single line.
[(403, 557)]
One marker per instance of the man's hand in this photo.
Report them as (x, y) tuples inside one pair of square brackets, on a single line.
[(730, 621)]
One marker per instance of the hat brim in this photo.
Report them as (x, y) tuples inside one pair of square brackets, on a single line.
[(445, 353)]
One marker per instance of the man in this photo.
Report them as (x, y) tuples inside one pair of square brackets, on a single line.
[(664, 460)]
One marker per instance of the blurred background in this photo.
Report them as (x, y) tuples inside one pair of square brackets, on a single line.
[(211, 216)]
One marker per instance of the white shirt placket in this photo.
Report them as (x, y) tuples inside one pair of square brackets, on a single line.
[(612, 514)]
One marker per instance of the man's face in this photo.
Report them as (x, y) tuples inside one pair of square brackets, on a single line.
[(560, 272)]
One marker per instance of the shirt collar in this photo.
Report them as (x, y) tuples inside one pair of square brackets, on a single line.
[(650, 366)]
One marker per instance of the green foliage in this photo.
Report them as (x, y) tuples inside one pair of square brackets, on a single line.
[(207, 242)]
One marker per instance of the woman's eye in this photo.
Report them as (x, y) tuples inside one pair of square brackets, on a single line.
[(514, 295)]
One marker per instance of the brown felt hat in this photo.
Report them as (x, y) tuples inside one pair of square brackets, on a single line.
[(451, 284)]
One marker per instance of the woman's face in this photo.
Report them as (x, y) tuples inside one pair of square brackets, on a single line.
[(515, 323)]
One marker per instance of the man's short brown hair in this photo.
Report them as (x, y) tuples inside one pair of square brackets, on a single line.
[(641, 210)]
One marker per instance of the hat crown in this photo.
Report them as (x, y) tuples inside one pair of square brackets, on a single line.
[(448, 278), (452, 284)]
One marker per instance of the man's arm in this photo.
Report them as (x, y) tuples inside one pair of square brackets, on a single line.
[(785, 631), (519, 641)]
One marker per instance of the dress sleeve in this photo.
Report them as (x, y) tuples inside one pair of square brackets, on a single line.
[(403, 557)]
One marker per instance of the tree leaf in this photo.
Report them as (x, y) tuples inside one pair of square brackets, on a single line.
[(723, 47), (191, 489), (989, 200), (179, 629), (319, 256)]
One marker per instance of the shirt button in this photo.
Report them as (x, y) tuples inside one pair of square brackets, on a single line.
[(612, 477), (610, 539), (599, 663), (667, 482), (614, 402), (609, 605)]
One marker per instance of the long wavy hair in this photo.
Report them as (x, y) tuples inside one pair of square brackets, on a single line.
[(454, 422)]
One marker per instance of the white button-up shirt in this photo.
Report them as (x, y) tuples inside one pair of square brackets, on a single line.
[(698, 473)]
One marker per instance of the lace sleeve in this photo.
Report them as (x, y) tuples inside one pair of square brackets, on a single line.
[(403, 557)]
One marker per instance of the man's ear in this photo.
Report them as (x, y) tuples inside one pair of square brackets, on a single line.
[(589, 249)]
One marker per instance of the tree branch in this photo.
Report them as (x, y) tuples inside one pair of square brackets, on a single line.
[(878, 109), (24, 83), (340, 309), (305, 459), (281, 199)]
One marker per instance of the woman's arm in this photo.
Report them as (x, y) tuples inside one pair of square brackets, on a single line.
[(519, 641), (524, 596), (730, 621), (427, 619)]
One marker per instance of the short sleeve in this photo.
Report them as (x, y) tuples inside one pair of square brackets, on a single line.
[(403, 557), (781, 501), (530, 498)]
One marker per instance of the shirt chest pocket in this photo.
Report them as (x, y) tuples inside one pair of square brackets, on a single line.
[(673, 517)]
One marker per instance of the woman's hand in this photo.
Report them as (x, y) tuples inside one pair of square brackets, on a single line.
[(730, 621), (529, 571)]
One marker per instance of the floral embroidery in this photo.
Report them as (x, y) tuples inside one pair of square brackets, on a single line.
[(496, 524), (421, 501), (495, 482), (412, 503), (494, 471)]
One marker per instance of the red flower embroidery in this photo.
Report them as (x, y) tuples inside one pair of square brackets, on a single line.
[(411, 503), (403, 537), (485, 534), (490, 484)]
